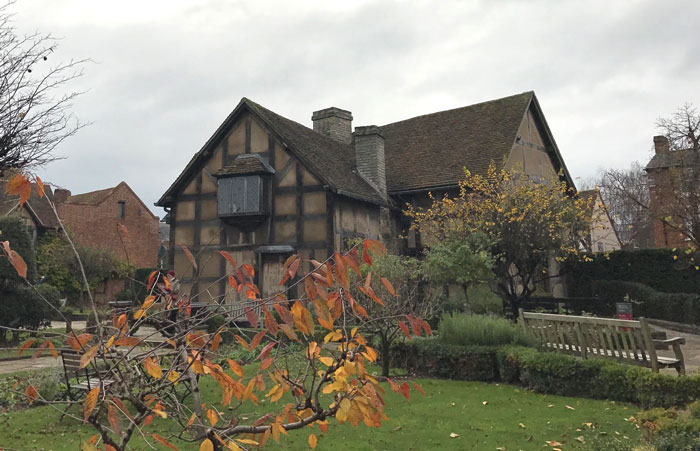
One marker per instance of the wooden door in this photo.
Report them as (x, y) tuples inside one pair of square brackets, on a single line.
[(272, 265)]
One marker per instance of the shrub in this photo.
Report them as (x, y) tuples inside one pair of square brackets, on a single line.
[(430, 357), (466, 330)]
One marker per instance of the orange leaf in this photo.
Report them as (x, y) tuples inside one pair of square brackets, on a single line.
[(19, 185), (351, 260), (79, 342), (109, 447), (312, 441), (270, 322), (266, 363), (235, 367), (189, 255), (151, 279), (148, 420), (90, 354), (26, 344), (310, 288), (389, 286), (284, 313), (266, 350), (292, 271), (215, 342), (232, 282), (40, 186), (90, 402), (123, 231), (256, 339), (323, 426), (404, 329), (419, 388), (228, 258), (127, 341), (113, 419), (52, 349), (163, 442), (32, 393), (289, 332), (365, 252), (153, 368), (341, 272), (251, 316), (212, 417), (121, 320), (405, 390), (249, 269), (18, 263)]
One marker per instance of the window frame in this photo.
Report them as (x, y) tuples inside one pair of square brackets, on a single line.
[(250, 206)]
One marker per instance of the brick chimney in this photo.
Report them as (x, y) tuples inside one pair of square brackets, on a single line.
[(61, 195), (369, 156), (661, 144), (335, 123)]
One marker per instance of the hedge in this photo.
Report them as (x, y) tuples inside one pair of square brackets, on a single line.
[(546, 372), (656, 268), (678, 307), (432, 358)]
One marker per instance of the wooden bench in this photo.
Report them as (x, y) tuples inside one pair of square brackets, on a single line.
[(622, 340), (85, 379)]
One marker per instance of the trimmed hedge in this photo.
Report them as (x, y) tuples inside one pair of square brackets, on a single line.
[(432, 358), (655, 268), (546, 372), (678, 307)]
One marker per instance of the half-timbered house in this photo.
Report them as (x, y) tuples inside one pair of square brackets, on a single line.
[(264, 187)]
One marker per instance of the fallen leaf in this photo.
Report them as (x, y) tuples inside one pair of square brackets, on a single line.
[(453, 435), (580, 439), (521, 425), (550, 405), (570, 408), (485, 402)]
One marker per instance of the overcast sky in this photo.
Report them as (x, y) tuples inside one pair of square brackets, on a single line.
[(166, 73)]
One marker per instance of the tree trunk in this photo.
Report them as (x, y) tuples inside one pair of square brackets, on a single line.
[(467, 308), (386, 354)]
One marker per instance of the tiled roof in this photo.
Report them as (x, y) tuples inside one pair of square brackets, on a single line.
[(330, 159), (421, 153), (91, 198), (246, 164), (432, 150), (39, 207), (687, 157)]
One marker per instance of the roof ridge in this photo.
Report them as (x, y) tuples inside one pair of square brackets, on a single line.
[(451, 110)]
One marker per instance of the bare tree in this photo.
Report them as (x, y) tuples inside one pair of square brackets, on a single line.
[(626, 196), (35, 114)]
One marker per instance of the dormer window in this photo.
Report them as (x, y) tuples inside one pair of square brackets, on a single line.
[(239, 195), (241, 185)]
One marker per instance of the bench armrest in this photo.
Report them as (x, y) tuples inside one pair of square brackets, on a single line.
[(671, 341)]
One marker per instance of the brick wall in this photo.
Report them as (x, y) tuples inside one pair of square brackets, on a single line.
[(96, 225)]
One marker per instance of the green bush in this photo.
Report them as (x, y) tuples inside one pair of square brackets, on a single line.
[(467, 330), (656, 268), (430, 357)]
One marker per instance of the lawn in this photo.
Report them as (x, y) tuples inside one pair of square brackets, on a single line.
[(484, 416)]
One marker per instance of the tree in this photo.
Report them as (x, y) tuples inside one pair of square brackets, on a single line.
[(305, 380), (626, 196), (34, 112), (529, 225), (463, 260), (409, 297)]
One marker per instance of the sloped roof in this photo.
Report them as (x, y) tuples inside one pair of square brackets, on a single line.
[(333, 162), (38, 207), (91, 198), (674, 158), (424, 152), (432, 150), (251, 163)]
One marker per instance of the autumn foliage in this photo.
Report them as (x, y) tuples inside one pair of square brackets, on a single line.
[(311, 363)]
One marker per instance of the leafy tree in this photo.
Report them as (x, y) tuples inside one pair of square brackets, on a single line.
[(528, 224), (304, 381), (463, 260), (409, 297), (35, 117)]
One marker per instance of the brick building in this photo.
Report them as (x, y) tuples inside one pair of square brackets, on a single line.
[(672, 175), (95, 218)]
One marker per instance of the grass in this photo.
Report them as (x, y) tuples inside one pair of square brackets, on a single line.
[(465, 330), (421, 423)]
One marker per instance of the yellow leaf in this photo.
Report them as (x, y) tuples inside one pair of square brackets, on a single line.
[(90, 354), (206, 445), (148, 302), (312, 441), (110, 342), (328, 361), (153, 368), (212, 417), (173, 377), (570, 408), (247, 441), (521, 425), (90, 402), (139, 313), (453, 435), (484, 402), (160, 413)]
